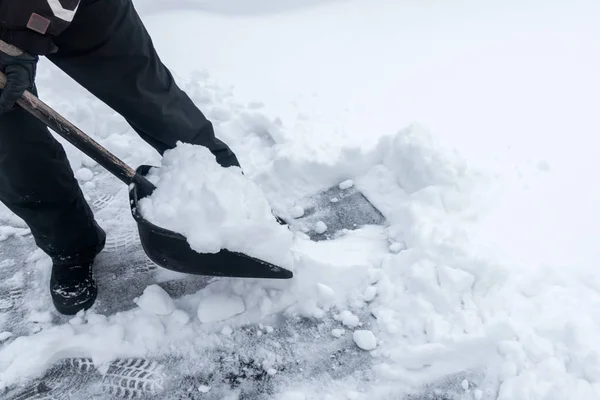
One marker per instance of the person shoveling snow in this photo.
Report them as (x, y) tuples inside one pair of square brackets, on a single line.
[(104, 46)]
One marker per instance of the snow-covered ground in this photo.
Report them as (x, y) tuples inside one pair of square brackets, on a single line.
[(472, 126)]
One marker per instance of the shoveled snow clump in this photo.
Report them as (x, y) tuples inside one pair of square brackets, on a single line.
[(5, 335), (156, 300), (365, 339), (320, 227), (214, 207)]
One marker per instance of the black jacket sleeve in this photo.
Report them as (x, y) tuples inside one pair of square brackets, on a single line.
[(32, 25)]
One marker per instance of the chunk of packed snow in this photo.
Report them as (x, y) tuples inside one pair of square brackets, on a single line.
[(220, 307), (156, 300), (320, 227), (84, 174), (326, 294), (347, 184), (337, 333), (348, 319), (5, 335), (179, 317), (213, 207), (203, 389), (465, 384), (227, 330), (88, 162), (297, 212), (370, 293), (365, 339)]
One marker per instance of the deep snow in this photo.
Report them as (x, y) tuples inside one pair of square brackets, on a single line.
[(488, 260)]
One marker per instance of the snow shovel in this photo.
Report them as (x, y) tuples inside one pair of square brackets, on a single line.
[(166, 248)]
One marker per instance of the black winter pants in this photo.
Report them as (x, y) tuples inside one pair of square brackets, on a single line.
[(109, 52)]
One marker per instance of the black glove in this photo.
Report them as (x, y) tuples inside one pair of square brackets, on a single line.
[(20, 71)]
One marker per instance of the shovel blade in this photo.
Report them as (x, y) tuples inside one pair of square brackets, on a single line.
[(171, 250)]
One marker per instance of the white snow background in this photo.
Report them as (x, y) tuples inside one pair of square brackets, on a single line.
[(472, 125)]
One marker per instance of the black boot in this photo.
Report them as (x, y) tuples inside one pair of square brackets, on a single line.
[(72, 285), (73, 288)]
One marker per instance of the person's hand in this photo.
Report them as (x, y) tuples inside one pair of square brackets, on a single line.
[(20, 69)]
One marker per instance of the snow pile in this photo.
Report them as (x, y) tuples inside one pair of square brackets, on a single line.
[(452, 296), (213, 207)]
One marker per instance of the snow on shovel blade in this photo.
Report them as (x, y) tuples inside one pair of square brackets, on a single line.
[(171, 250)]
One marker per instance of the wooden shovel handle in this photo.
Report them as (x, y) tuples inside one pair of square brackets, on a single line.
[(74, 135)]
